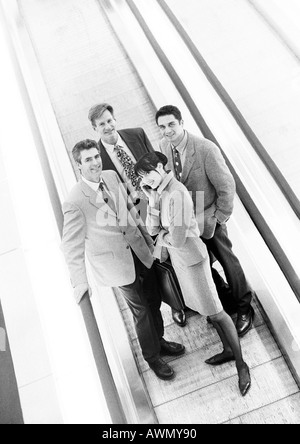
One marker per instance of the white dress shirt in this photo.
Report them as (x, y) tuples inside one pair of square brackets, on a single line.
[(93, 185)]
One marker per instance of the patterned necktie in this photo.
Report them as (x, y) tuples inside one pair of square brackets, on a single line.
[(106, 197), (177, 163), (128, 166)]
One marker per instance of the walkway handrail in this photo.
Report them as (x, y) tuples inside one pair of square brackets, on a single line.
[(245, 197), (105, 375), (106, 378), (274, 27), (235, 112)]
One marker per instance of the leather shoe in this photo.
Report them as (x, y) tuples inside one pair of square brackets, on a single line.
[(220, 359), (162, 369), (171, 348), (244, 322), (179, 317), (244, 380)]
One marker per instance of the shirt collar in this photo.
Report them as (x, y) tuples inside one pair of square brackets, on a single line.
[(93, 185), (182, 144), (165, 182), (110, 148)]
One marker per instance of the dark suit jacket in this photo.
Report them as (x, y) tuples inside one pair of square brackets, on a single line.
[(136, 140), (139, 144)]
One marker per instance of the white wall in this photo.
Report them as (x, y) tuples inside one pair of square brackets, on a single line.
[(82, 64), (55, 370), (255, 67)]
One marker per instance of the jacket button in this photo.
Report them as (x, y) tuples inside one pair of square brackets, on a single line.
[(128, 247)]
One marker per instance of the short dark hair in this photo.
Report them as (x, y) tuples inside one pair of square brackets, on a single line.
[(97, 110), (149, 161), (87, 144), (167, 110)]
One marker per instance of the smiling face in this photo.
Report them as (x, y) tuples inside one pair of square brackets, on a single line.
[(154, 178), (91, 165), (171, 128), (105, 126)]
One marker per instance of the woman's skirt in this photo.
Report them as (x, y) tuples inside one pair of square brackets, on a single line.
[(197, 286)]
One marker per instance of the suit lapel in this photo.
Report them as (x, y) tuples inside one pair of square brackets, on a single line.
[(106, 160), (112, 187), (132, 141), (189, 159), (96, 199)]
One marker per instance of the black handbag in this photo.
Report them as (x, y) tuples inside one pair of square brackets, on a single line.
[(168, 285)]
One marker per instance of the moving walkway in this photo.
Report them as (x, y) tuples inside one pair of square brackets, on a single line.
[(264, 242)]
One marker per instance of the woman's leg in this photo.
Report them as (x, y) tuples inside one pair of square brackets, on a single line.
[(232, 349), (228, 335)]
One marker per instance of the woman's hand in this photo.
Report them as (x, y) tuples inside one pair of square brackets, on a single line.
[(151, 194), (146, 189)]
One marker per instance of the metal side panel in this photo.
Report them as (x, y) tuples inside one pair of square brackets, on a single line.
[(264, 274), (280, 303), (58, 169)]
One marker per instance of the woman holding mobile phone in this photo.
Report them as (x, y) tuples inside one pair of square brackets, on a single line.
[(170, 216)]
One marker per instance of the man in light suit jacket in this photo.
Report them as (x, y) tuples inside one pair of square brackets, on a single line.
[(101, 223), (200, 166), (135, 143)]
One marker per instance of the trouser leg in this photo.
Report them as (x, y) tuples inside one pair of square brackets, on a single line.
[(224, 292), (143, 321), (221, 246), (223, 289), (151, 291)]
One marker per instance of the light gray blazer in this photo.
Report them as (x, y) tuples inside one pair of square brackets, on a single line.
[(205, 170), (92, 228), (171, 216), (174, 221)]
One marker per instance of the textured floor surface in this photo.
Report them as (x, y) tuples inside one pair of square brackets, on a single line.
[(201, 394)]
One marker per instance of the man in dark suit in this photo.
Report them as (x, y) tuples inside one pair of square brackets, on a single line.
[(120, 150), (200, 166)]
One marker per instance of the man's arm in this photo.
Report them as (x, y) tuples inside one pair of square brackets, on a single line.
[(221, 178), (73, 247)]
